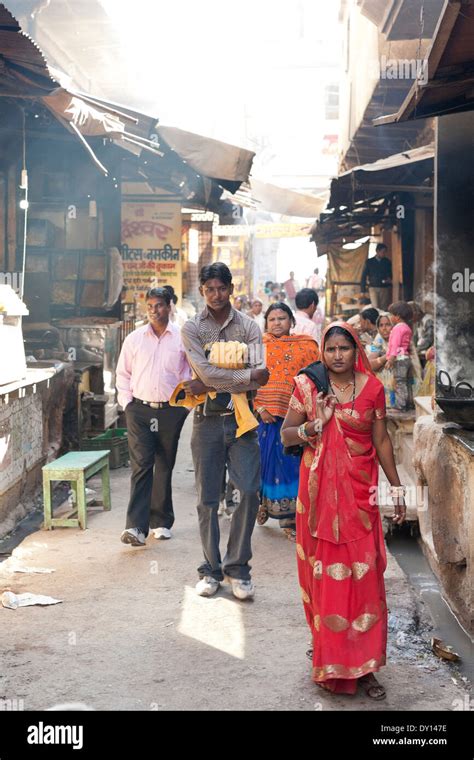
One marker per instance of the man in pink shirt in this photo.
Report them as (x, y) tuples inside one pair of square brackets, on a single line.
[(291, 287), (306, 304), (151, 364), (398, 353)]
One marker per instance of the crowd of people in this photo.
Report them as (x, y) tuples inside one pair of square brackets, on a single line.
[(291, 420), (400, 352)]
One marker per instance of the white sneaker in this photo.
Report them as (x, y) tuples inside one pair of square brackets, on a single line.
[(162, 533), (133, 536), (207, 586), (241, 589)]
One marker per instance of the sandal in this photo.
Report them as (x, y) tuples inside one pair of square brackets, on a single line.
[(372, 687), (262, 515), (323, 686), (309, 654), (290, 534)]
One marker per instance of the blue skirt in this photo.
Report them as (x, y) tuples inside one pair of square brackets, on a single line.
[(280, 473)]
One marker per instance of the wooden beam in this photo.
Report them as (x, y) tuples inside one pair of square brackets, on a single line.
[(394, 188), (395, 246)]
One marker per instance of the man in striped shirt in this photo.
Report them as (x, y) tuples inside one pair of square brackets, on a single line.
[(214, 442)]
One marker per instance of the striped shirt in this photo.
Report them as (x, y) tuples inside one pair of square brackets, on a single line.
[(202, 330)]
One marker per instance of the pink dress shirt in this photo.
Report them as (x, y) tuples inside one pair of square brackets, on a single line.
[(399, 340), (306, 326), (150, 368)]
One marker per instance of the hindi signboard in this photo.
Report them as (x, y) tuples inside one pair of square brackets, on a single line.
[(151, 247)]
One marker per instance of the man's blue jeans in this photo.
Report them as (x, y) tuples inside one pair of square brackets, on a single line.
[(213, 443)]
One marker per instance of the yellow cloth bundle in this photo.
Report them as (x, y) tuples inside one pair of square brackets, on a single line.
[(226, 355)]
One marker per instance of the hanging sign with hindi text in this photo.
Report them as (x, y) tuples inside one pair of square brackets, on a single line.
[(151, 248)]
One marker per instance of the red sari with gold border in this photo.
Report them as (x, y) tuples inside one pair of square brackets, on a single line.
[(340, 544)]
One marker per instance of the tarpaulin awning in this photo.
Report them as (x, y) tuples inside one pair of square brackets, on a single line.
[(448, 84), (89, 116), (346, 266), (281, 200), (409, 171), (263, 196), (193, 166), (91, 121), (217, 160)]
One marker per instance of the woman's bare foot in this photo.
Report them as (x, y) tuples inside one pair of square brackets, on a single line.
[(372, 687), (262, 515)]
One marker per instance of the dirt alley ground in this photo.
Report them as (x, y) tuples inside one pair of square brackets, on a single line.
[(131, 634)]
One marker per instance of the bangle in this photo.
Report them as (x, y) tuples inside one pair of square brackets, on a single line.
[(261, 409), (302, 433)]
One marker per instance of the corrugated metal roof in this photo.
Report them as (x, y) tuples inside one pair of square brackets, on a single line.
[(450, 69), (365, 196), (408, 171), (23, 67)]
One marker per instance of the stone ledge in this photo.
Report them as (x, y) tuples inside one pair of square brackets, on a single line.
[(33, 377)]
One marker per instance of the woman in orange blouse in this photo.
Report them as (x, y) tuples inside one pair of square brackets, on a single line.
[(340, 544), (285, 355)]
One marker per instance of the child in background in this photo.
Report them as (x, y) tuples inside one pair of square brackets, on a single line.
[(398, 353)]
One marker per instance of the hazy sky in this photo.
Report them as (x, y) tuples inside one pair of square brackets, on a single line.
[(246, 73)]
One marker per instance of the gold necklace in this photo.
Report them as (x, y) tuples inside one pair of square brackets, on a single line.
[(353, 394), (342, 388)]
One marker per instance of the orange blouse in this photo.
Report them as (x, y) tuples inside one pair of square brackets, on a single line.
[(285, 357)]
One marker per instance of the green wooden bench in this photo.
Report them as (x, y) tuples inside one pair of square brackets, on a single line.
[(76, 467)]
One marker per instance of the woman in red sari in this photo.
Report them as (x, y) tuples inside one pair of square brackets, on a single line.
[(340, 544)]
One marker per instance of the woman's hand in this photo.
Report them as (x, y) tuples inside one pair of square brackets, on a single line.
[(314, 427), (325, 405), (390, 362), (400, 510), (266, 417)]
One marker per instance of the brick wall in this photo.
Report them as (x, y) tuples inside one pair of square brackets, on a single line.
[(31, 434), (21, 438)]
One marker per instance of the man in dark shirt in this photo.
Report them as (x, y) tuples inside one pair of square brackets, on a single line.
[(379, 272)]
